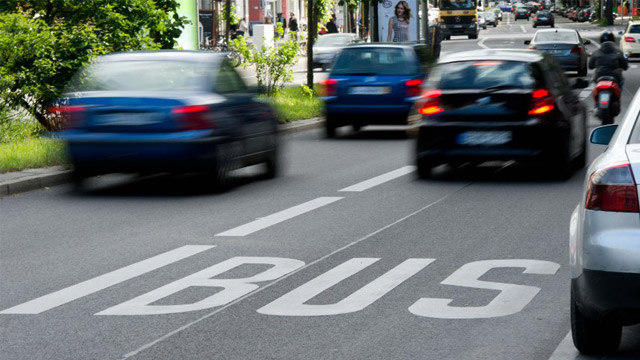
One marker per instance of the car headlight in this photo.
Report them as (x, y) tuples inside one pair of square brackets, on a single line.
[(472, 25)]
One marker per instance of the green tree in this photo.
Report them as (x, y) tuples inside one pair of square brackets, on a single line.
[(44, 42)]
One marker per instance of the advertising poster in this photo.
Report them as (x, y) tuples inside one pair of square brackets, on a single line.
[(398, 20)]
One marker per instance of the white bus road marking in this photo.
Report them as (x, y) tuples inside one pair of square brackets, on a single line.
[(273, 219), (368, 184), (293, 303), (96, 284), (275, 282), (481, 43), (565, 350)]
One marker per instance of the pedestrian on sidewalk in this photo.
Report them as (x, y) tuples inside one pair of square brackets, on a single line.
[(293, 25), (331, 26)]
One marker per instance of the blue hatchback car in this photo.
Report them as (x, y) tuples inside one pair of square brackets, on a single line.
[(373, 85), (164, 112)]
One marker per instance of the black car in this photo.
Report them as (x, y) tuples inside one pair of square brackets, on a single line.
[(566, 45), (522, 13), (501, 105), (543, 17)]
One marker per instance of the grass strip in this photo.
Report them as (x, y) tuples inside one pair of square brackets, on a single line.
[(31, 153), (296, 103)]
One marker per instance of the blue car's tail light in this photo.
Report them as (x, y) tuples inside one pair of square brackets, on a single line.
[(193, 117), (612, 189), (413, 87), (67, 116)]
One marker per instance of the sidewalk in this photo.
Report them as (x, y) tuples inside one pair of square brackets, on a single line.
[(22, 181)]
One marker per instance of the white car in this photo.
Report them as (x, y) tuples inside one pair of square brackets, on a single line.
[(630, 39), (482, 21), (604, 236)]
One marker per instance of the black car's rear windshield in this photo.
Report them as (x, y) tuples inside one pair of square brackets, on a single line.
[(141, 75), (544, 13), (375, 61), (483, 75), (556, 36)]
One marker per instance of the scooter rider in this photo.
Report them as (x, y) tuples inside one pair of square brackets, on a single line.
[(609, 60)]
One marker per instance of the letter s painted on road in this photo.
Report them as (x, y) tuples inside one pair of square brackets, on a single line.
[(512, 298)]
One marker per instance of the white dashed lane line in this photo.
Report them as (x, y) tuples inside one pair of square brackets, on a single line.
[(368, 184), (273, 219)]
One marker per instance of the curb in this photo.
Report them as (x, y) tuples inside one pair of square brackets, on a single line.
[(42, 178)]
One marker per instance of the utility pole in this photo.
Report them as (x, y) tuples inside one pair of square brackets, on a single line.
[(227, 16), (311, 31)]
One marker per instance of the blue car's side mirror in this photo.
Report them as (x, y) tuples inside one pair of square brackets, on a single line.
[(602, 134)]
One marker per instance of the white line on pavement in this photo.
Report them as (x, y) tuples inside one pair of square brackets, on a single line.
[(368, 184), (523, 29), (482, 45), (96, 284), (279, 217), (275, 282), (566, 350), (634, 66)]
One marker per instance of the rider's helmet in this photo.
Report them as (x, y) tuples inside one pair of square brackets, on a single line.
[(607, 36)]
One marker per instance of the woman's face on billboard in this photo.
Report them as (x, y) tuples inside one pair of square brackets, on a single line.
[(400, 10)]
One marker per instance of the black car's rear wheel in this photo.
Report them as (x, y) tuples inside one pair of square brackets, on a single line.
[(592, 336), (424, 167), (583, 70), (330, 126)]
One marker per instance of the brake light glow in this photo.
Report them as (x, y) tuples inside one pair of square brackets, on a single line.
[(613, 189), (68, 115), (576, 50), (541, 103), (487, 63), (431, 103), (193, 117), (629, 39), (329, 87), (413, 87)]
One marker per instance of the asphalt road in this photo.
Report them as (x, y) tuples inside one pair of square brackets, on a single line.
[(346, 256)]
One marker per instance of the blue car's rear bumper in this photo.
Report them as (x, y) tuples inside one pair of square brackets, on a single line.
[(186, 151), (369, 114)]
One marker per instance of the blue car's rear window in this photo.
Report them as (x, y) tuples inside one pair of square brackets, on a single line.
[(141, 75), (375, 61)]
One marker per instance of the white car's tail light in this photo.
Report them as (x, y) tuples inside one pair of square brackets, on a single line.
[(612, 189)]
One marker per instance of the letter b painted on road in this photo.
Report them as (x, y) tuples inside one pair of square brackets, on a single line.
[(232, 289)]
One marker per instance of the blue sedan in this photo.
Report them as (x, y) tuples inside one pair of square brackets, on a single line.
[(164, 112)]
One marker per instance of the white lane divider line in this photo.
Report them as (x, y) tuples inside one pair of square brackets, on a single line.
[(633, 66), (273, 219), (566, 350), (368, 184), (586, 92), (481, 43), (96, 284), (523, 29)]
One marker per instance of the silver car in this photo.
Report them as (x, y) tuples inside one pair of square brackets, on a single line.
[(605, 240)]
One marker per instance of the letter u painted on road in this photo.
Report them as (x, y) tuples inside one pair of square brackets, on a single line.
[(232, 289), (293, 303), (512, 298)]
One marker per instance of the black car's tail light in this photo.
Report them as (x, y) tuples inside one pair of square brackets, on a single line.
[(329, 87), (193, 117), (68, 116), (431, 102), (541, 102), (612, 189), (413, 87), (576, 50)]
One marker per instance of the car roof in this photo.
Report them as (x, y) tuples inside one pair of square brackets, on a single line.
[(383, 45), (522, 55), (164, 55)]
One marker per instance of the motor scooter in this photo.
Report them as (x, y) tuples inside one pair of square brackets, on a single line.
[(607, 98)]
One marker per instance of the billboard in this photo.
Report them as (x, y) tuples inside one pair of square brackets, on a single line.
[(398, 20)]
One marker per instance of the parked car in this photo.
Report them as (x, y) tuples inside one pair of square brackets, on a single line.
[(501, 105), (630, 39), (604, 230), (543, 17), (165, 111), (521, 13), (373, 84), (327, 47), (584, 14), (566, 45)]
